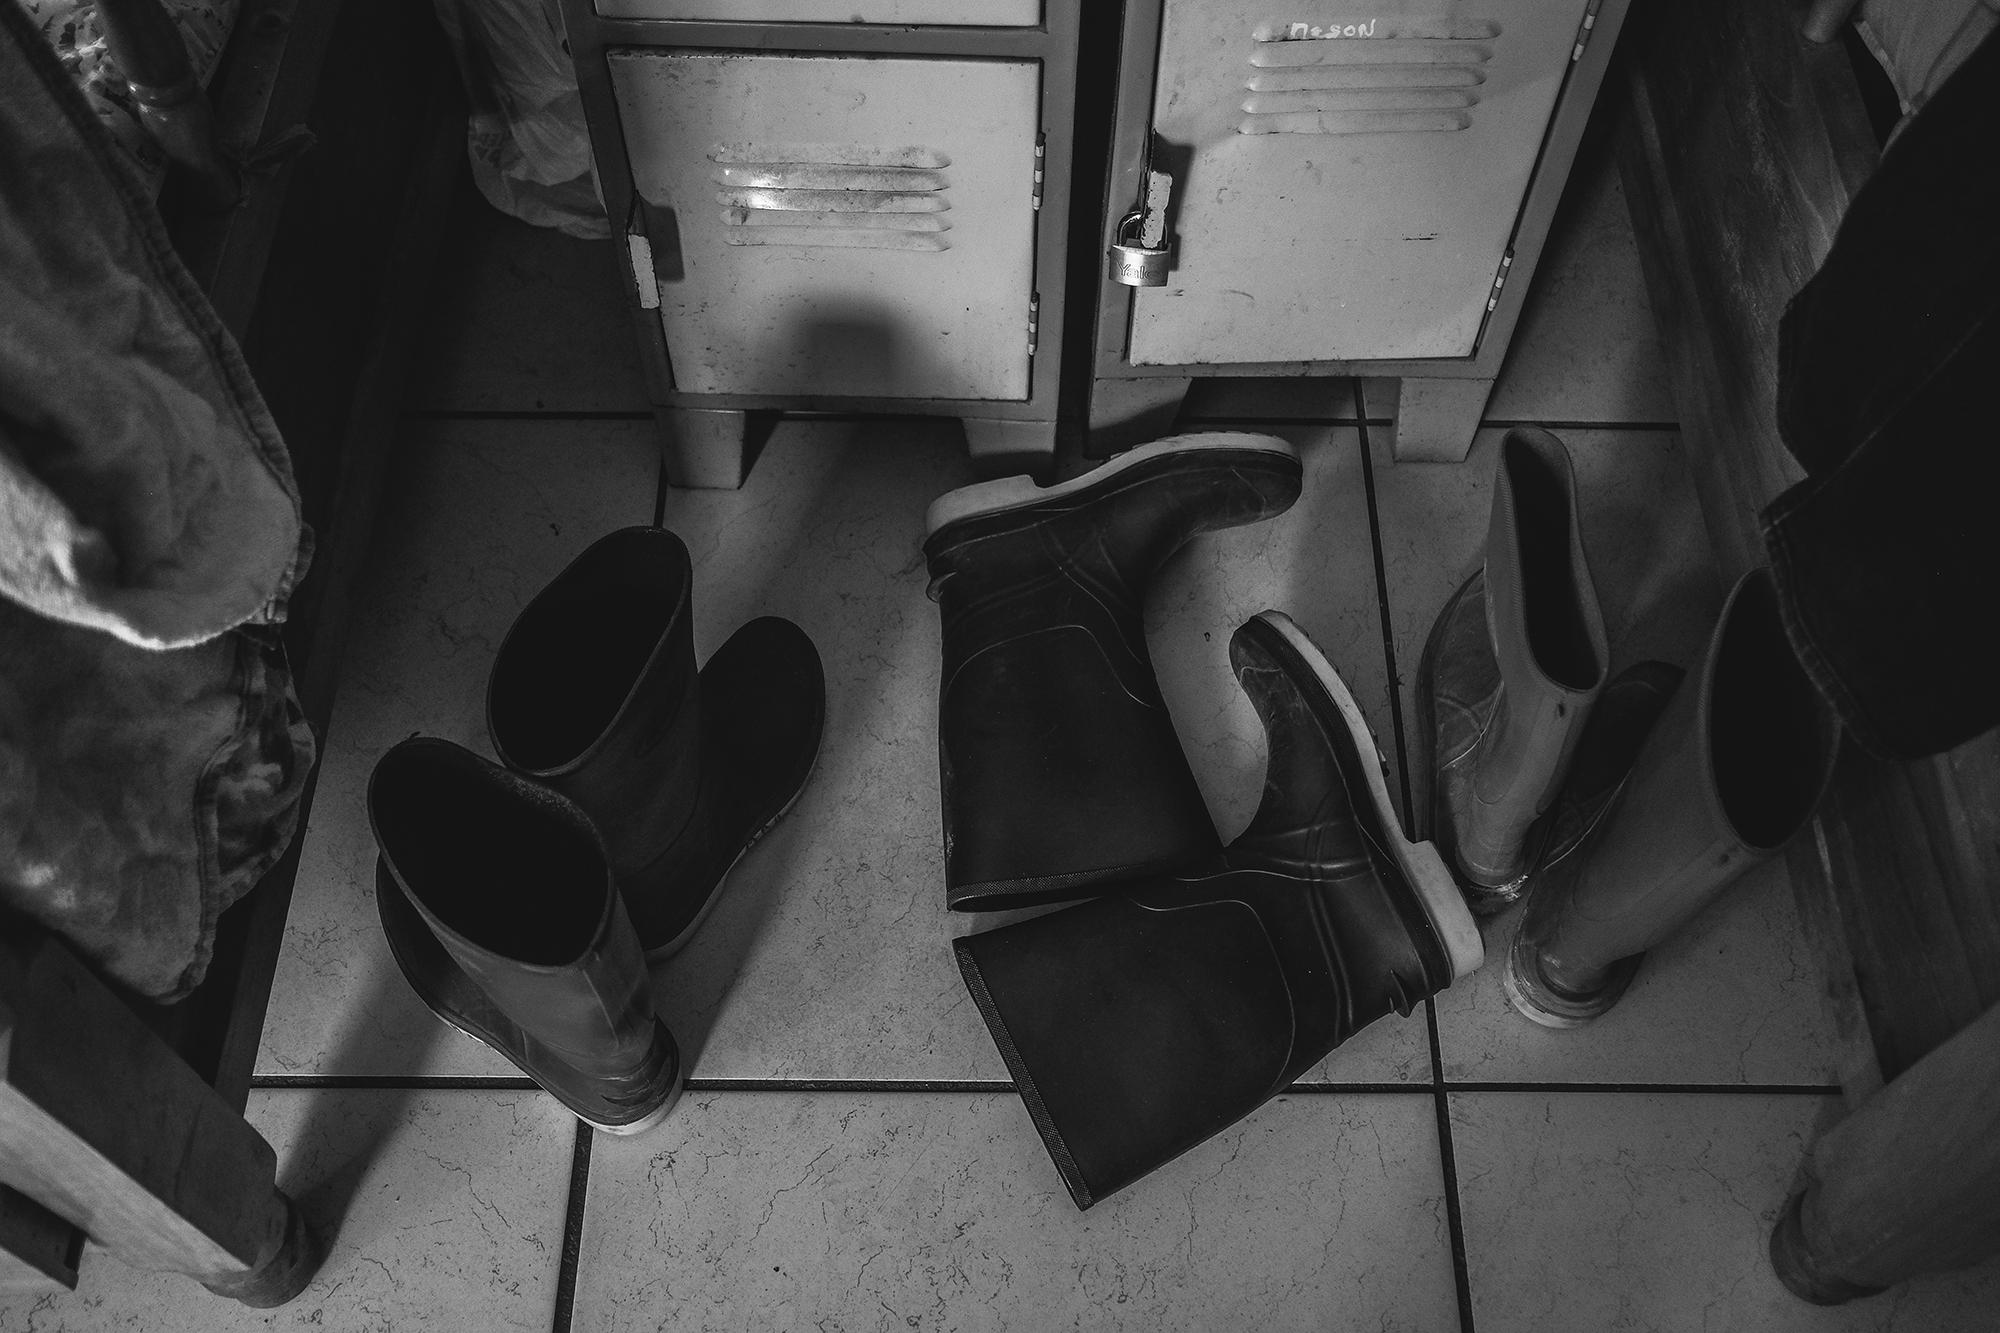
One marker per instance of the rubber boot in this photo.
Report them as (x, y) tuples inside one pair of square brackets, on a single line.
[(1060, 768), (1730, 772), (594, 693), (1139, 1025), (1509, 674), (500, 909)]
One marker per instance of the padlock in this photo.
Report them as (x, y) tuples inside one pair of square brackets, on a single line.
[(1132, 263)]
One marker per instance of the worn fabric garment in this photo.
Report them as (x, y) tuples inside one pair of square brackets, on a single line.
[(151, 754), (1885, 555), (1921, 43)]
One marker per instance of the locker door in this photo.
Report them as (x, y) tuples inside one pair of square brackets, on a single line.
[(848, 225), (940, 13), (1355, 171)]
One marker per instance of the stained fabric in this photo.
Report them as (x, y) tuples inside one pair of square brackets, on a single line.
[(1885, 555), (151, 751), (74, 30)]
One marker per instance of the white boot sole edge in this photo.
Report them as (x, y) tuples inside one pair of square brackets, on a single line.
[(1443, 904), (998, 496)]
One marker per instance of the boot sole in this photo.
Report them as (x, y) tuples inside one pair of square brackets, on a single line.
[(652, 1118), (986, 498), (425, 982), (1537, 1002), (1436, 890)]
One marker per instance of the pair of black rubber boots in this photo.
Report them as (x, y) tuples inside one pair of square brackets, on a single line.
[(1205, 979), (524, 902)]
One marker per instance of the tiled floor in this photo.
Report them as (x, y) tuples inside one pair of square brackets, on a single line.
[(850, 1155)]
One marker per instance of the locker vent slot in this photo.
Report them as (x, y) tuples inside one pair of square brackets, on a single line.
[(1408, 73), (852, 196)]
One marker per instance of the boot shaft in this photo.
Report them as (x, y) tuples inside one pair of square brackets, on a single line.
[(1139, 1024), (1729, 774), (595, 686), (512, 881), (1512, 669), (1059, 766), (1547, 638)]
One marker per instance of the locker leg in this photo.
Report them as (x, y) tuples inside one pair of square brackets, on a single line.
[(1125, 413), (1437, 418), (1002, 448), (705, 449)]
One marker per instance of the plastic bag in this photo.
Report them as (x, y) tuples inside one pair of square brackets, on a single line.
[(526, 138)]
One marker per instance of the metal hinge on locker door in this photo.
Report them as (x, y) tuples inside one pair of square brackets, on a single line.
[(1141, 254)]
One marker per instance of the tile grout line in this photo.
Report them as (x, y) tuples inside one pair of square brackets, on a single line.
[(572, 1241), (433, 414), (1461, 1274), (521, 414), (480, 1083), (1461, 1266), (1505, 423)]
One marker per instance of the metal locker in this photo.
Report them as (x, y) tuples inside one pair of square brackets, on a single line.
[(837, 233), (939, 13), (1347, 175)]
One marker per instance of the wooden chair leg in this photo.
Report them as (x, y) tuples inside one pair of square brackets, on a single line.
[(1908, 1184), (104, 1125), (1437, 418)]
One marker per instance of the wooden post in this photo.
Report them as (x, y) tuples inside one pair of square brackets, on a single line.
[(1908, 1184), (101, 1123)]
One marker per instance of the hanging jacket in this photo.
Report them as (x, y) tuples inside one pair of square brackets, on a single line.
[(1885, 555), (151, 752)]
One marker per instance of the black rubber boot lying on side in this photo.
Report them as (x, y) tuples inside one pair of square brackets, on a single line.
[(1137, 1026), (594, 692), (500, 910), (1060, 768)]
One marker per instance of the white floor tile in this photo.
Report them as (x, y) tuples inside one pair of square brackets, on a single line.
[(933, 1210), (829, 955), (1615, 1211), (449, 1210), (1735, 997), (1297, 398)]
